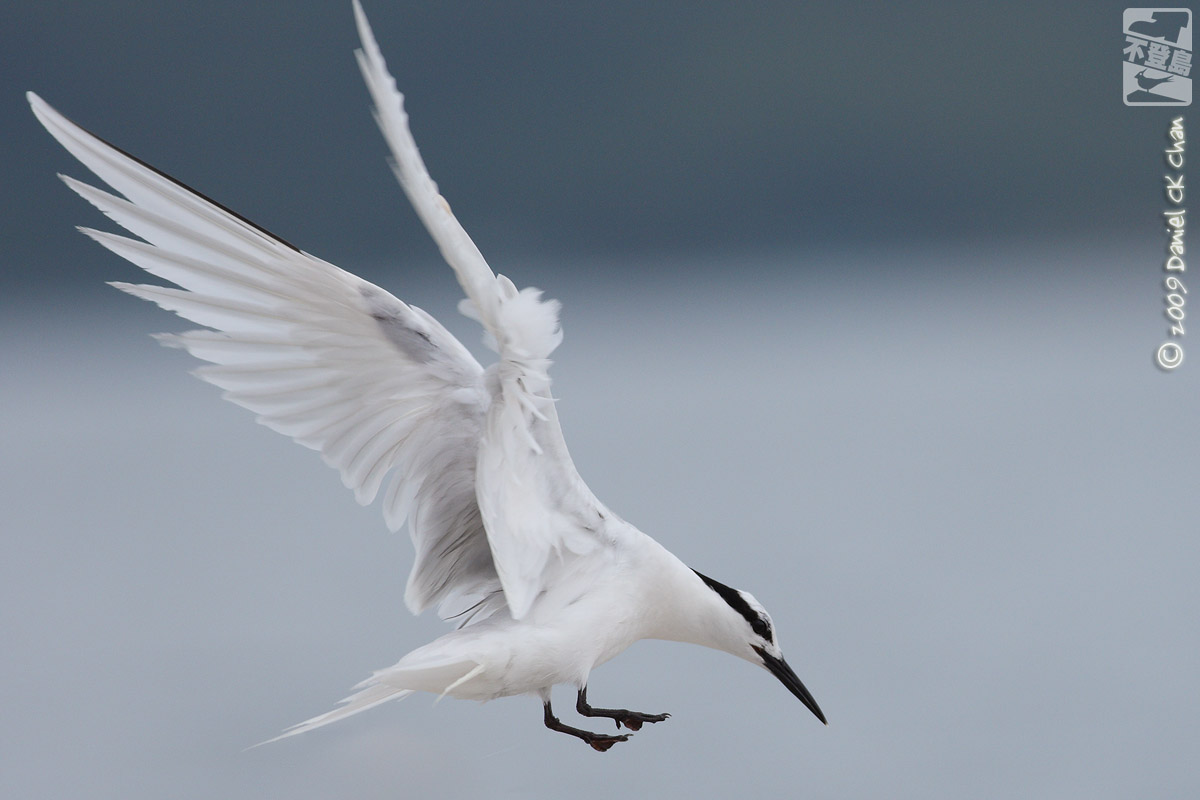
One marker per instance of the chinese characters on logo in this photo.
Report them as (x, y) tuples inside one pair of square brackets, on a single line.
[(1157, 63)]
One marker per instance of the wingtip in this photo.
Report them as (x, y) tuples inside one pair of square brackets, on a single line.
[(370, 57), (364, 27), (41, 109), (46, 114)]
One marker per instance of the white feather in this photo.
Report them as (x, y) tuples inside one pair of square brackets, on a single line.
[(340, 365), (543, 580), (525, 477)]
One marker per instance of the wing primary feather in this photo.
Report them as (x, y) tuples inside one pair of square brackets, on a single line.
[(378, 387), (524, 476), (476, 461), (58, 124)]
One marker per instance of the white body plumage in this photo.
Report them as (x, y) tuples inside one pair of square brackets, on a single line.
[(544, 582)]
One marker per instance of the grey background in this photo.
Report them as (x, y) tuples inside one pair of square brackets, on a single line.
[(860, 307)]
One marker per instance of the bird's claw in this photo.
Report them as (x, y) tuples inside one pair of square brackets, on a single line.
[(601, 743), (635, 719)]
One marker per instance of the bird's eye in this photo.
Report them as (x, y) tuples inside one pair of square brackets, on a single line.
[(762, 628)]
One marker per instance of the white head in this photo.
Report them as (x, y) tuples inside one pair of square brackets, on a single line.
[(744, 629)]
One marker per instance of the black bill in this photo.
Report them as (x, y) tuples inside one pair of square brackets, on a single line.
[(780, 669)]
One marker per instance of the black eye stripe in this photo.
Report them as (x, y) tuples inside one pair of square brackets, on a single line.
[(739, 604)]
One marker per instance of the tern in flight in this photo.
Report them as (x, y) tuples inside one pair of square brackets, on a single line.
[(543, 581)]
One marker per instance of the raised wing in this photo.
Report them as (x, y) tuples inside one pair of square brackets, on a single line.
[(336, 363), (535, 506)]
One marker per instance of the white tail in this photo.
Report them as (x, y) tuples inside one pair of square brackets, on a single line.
[(371, 696)]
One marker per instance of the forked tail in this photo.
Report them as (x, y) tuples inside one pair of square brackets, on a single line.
[(416, 672), (372, 695)]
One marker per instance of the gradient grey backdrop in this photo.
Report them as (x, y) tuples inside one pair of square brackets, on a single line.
[(860, 307)]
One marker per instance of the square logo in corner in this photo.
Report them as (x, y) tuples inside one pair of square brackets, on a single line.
[(1158, 57)]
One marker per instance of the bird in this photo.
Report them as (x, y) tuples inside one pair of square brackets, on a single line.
[(541, 582), (1148, 83)]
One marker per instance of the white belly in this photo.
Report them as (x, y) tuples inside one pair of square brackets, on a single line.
[(499, 657)]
